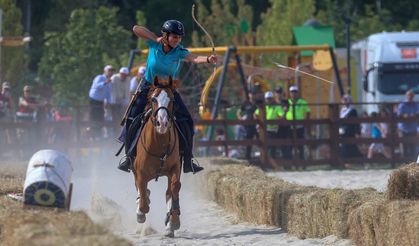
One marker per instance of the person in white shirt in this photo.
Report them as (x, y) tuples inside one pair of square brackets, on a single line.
[(120, 94), (135, 80)]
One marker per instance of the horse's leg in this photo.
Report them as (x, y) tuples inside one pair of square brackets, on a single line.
[(172, 201), (142, 200)]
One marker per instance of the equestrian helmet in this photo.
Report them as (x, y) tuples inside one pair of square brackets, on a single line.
[(173, 26)]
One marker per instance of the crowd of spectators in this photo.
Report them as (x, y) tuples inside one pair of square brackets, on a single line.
[(295, 108), (110, 93)]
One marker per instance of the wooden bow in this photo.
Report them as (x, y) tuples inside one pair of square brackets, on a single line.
[(213, 51)]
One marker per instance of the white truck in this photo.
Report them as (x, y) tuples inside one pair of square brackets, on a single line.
[(388, 66)]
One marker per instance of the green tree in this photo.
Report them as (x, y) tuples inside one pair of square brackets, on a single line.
[(232, 28), (72, 58), (277, 22), (12, 59)]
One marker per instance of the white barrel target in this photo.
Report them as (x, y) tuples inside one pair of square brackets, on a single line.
[(48, 179)]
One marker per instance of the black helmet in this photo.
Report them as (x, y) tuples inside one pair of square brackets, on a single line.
[(173, 26)]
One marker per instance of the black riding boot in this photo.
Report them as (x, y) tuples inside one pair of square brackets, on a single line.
[(126, 165), (190, 166), (186, 148)]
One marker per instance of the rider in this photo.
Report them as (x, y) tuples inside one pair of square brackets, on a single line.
[(164, 57)]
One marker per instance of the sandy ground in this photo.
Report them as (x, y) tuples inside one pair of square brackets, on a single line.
[(108, 195)]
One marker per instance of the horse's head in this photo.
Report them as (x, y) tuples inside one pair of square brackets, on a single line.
[(161, 102)]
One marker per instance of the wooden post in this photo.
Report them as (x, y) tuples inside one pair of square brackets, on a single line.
[(392, 131), (335, 159), (262, 135)]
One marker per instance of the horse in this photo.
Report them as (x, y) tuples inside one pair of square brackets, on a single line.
[(158, 154)]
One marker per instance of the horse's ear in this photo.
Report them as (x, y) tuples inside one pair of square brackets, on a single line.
[(170, 81), (156, 81)]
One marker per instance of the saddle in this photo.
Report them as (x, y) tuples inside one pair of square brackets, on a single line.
[(137, 125)]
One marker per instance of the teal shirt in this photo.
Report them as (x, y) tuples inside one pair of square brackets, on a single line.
[(163, 65)]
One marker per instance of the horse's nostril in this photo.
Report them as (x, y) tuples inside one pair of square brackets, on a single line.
[(158, 123)]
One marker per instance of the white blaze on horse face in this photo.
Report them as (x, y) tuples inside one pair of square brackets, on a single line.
[(163, 100)]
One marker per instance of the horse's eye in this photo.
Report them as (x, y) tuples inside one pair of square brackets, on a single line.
[(153, 99)]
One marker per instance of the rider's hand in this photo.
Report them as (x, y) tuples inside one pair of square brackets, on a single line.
[(212, 59), (162, 39)]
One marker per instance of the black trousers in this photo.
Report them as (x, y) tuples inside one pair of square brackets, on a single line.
[(97, 115)]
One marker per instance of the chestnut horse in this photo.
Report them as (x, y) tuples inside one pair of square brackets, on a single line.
[(158, 154)]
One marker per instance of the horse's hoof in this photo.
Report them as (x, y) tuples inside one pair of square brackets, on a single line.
[(174, 222), (141, 218), (169, 233)]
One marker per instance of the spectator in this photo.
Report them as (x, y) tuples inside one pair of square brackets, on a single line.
[(378, 130), (298, 110), (6, 103), (27, 111), (6, 109), (279, 97), (272, 112), (349, 130), (28, 106), (408, 110), (283, 130), (119, 94), (136, 80), (61, 132), (99, 96), (246, 112)]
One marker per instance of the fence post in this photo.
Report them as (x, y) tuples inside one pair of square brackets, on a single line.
[(335, 159), (225, 132), (392, 135), (262, 135)]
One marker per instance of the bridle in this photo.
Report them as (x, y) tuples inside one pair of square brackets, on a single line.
[(155, 112)]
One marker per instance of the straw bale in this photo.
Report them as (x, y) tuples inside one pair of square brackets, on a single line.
[(362, 222), (404, 183), (324, 212), (247, 192), (42, 226), (385, 223), (12, 178)]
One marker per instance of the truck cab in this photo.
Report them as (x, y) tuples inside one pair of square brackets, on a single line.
[(388, 67)]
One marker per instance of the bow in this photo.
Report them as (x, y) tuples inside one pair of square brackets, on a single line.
[(213, 52), (203, 29)]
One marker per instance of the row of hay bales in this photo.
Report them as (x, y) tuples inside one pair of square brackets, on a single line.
[(364, 215), (43, 226)]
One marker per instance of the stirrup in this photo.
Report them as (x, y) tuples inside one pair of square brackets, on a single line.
[(195, 167), (125, 164)]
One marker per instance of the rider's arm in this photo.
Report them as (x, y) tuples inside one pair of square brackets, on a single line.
[(202, 59), (144, 33)]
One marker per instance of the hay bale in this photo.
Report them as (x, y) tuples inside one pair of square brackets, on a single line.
[(361, 222), (385, 223), (247, 192), (12, 177), (224, 161), (398, 223), (43, 226), (324, 212), (404, 183)]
